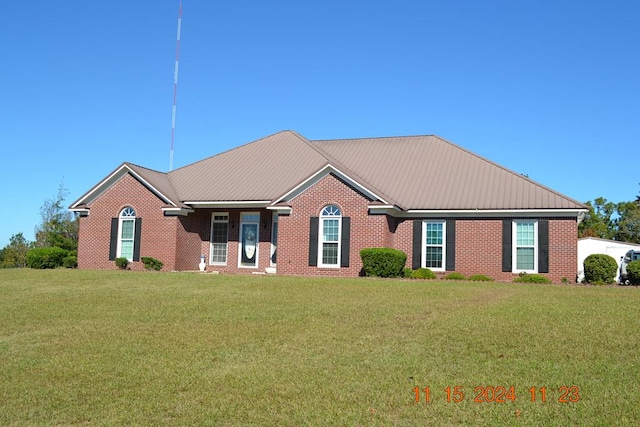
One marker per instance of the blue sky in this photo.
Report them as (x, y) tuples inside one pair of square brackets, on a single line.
[(550, 89)]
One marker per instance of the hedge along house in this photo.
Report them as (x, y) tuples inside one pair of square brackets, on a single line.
[(293, 206)]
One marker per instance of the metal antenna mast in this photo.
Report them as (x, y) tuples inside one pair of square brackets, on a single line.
[(175, 88)]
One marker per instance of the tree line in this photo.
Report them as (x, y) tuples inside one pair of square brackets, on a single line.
[(612, 221), (58, 228)]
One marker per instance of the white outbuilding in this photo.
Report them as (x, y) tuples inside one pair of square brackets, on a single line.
[(593, 245)]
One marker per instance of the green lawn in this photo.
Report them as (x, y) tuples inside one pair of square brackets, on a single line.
[(127, 348)]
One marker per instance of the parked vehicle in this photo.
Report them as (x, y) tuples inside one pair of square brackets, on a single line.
[(626, 259)]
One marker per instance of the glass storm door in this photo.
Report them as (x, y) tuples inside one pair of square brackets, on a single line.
[(249, 239)]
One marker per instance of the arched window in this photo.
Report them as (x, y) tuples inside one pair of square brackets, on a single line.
[(126, 233), (330, 232)]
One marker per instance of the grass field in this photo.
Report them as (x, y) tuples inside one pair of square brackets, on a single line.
[(127, 348)]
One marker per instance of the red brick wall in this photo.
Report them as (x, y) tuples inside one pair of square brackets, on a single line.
[(367, 231), (479, 247), (158, 233), (563, 249)]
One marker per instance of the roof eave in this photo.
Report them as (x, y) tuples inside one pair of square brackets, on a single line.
[(492, 213), (81, 211), (230, 204), (174, 211)]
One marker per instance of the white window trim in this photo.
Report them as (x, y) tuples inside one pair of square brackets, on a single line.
[(321, 237), (514, 246), (213, 220), (121, 219), (256, 266), (423, 261)]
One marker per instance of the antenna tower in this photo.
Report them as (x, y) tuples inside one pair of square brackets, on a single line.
[(175, 88)]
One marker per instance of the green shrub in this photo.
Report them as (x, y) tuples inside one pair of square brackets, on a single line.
[(46, 257), (70, 262), (531, 278), (633, 272), (122, 263), (480, 278), (454, 276), (600, 268), (383, 262), (151, 263), (423, 273), (408, 273)]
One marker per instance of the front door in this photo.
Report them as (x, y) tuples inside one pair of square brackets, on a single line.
[(249, 238)]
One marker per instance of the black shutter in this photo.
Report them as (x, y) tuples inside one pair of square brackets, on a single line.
[(113, 240), (313, 240), (543, 246), (416, 259), (136, 240), (507, 254), (451, 245), (344, 241)]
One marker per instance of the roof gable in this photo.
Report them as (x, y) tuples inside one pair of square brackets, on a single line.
[(156, 182)]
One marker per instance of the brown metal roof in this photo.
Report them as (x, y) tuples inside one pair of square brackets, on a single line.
[(261, 170), (413, 173), (430, 173), (159, 181)]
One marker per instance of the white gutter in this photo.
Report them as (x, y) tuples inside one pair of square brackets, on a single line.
[(486, 213), (228, 204)]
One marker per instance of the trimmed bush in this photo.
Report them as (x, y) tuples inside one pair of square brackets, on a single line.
[(151, 263), (600, 268), (480, 278), (70, 262), (454, 276), (408, 273), (633, 272), (51, 257), (122, 263), (383, 262), (423, 273), (531, 278)]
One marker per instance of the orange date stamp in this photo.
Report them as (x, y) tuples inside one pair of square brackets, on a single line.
[(498, 394)]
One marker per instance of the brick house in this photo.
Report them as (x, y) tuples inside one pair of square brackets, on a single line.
[(293, 206)]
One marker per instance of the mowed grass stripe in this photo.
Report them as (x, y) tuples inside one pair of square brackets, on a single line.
[(105, 348)]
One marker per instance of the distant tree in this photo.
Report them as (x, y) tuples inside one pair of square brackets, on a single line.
[(597, 221), (14, 255), (628, 222), (58, 227)]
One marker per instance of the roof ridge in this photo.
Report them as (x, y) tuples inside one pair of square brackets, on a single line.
[(143, 167), (373, 137), (233, 149)]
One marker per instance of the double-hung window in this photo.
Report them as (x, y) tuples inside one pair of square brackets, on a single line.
[(330, 230), (219, 238), (433, 249), (525, 248)]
